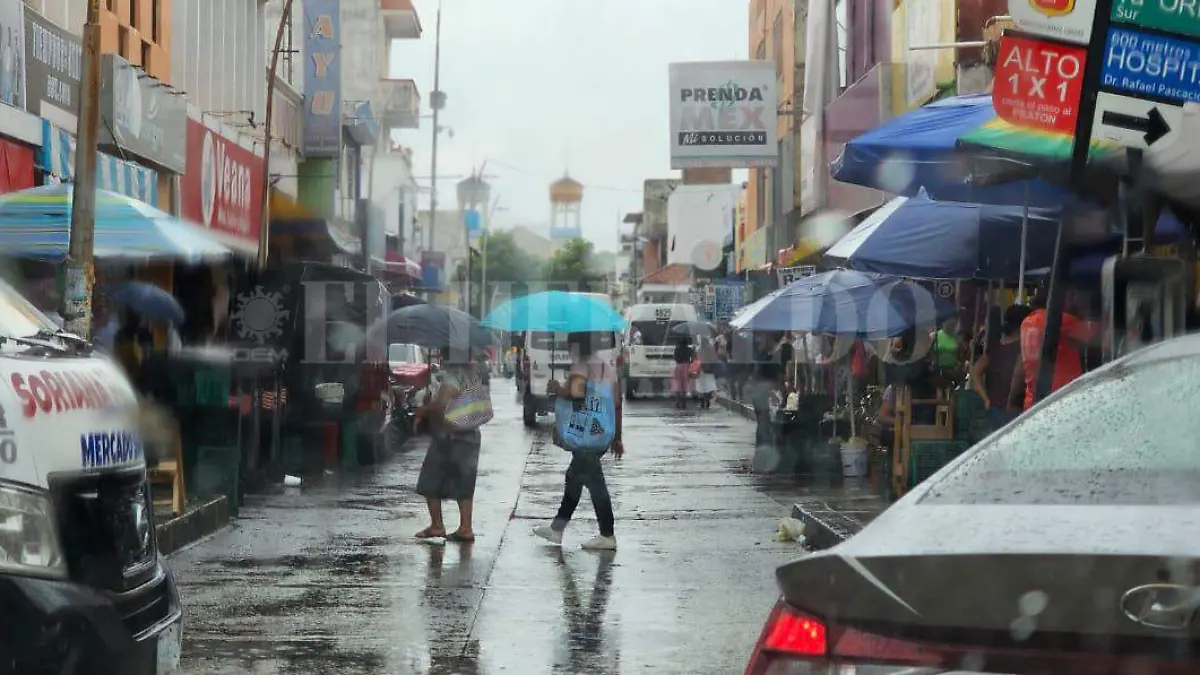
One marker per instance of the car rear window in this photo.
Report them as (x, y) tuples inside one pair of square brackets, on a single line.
[(1128, 435), (654, 333), (550, 341)]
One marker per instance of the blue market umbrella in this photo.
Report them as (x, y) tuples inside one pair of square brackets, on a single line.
[(435, 327), (556, 311), (920, 149), (36, 223), (928, 239), (147, 300), (845, 302)]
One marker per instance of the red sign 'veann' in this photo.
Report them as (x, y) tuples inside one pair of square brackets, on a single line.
[(1038, 83)]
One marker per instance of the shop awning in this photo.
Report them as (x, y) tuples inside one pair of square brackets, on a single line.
[(57, 158)]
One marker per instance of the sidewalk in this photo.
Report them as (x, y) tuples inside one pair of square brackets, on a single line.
[(831, 514)]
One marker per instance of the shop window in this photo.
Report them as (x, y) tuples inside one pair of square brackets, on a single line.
[(154, 20), (123, 42), (134, 14), (146, 49), (843, 43)]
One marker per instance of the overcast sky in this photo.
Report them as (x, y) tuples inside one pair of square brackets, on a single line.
[(535, 87)]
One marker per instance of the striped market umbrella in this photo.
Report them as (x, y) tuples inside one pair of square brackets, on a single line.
[(36, 223)]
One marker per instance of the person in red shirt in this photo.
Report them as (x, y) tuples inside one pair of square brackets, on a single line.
[(1068, 365)]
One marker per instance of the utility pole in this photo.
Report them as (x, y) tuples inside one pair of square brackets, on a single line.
[(264, 227), (81, 272), (436, 101)]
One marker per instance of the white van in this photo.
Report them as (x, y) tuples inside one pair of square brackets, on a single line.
[(77, 539), (548, 357), (650, 346)]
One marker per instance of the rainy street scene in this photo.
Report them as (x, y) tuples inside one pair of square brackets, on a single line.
[(329, 578), (467, 337)]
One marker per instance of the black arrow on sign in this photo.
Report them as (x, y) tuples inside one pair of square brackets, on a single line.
[(1153, 126)]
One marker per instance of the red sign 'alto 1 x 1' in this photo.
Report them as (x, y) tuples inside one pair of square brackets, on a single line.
[(222, 187), (1038, 83)]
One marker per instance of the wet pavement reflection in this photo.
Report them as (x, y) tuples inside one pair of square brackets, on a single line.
[(326, 578)]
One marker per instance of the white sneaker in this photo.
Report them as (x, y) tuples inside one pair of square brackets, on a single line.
[(601, 543), (549, 534)]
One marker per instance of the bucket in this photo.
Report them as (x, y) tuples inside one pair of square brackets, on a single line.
[(854, 458)]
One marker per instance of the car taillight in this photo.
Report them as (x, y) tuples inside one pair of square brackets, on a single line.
[(788, 635)]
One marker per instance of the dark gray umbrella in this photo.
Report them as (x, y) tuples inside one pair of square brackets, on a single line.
[(437, 327), (692, 328)]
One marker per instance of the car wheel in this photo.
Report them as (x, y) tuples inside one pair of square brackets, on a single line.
[(529, 413)]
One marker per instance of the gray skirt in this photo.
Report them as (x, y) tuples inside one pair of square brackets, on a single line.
[(449, 469)]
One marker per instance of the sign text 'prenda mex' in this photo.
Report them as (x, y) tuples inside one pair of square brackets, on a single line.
[(720, 116)]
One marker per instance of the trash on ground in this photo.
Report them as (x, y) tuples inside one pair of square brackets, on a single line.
[(790, 529), (291, 481)]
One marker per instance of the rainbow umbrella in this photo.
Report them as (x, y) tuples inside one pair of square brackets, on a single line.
[(945, 146), (36, 223)]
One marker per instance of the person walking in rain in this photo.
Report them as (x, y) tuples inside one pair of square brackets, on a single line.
[(452, 460), (585, 469), (681, 377)]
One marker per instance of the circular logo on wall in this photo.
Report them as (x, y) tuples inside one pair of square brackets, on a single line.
[(129, 104), (260, 315), (208, 179), (706, 255), (945, 289)]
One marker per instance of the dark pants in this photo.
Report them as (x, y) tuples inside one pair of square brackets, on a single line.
[(998, 417), (585, 471)]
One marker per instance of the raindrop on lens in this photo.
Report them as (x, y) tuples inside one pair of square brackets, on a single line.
[(895, 174), (1022, 628), (1033, 603)]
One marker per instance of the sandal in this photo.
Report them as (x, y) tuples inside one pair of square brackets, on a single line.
[(461, 538), (430, 533)]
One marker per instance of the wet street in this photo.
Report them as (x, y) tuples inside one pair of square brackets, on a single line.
[(328, 579)]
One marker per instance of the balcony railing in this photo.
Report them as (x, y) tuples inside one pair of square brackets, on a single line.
[(402, 107), (400, 20)]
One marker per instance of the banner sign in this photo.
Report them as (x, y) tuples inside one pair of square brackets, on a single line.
[(141, 115), (322, 135), (54, 68), (789, 275), (723, 114), (222, 187)]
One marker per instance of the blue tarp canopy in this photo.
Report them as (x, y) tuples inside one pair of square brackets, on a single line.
[(923, 238)]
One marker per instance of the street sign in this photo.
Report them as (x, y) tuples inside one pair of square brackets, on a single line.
[(1135, 122), (1069, 20), (1151, 65), (1038, 82), (1172, 16)]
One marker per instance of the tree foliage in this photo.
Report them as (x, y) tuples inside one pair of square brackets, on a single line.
[(575, 267)]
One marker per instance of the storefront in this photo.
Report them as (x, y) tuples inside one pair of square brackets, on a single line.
[(221, 188), (56, 162), (144, 120)]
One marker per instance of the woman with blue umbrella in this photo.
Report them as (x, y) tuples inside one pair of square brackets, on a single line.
[(592, 391)]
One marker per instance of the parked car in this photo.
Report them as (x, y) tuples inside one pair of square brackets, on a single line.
[(411, 379), (1063, 543)]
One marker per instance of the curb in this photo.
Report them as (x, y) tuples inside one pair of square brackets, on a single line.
[(192, 526), (824, 526), (734, 406)]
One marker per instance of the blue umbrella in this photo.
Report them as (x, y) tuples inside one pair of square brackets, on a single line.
[(148, 300), (36, 223), (555, 311), (928, 239), (919, 149), (845, 302)]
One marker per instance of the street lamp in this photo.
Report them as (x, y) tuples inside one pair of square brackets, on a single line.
[(437, 101)]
